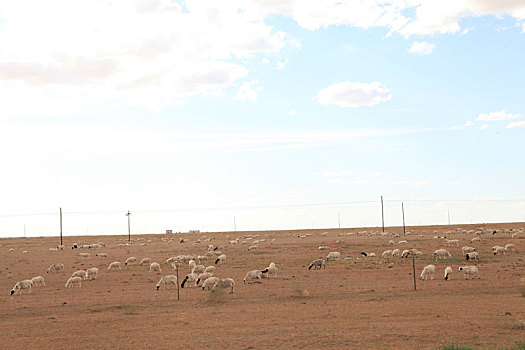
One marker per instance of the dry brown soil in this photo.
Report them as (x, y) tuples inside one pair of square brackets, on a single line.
[(355, 303)]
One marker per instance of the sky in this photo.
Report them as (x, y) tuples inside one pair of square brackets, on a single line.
[(259, 114)]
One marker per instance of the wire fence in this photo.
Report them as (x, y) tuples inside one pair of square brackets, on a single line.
[(349, 214)]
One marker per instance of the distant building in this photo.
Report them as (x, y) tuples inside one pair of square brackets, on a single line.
[(169, 231), (195, 231)]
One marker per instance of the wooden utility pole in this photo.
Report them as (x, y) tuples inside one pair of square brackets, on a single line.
[(61, 226), (178, 294), (448, 212), (382, 215), (339, 220), (403, 211), (128, 214), (414, 271)]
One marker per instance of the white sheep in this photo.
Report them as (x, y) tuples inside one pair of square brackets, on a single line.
[(428, 271), (198, 269), (114, 266), (24, 284), (387, 254), (441, 254), (509, 247), (333, 256), (396, 252), (201, 257), (270, 270), (452, 241), (272, 264), (402, 242), (469, 271), (323, 247), (203, 277), (55, 268), (92, 273), (475, 239), (192, 277), (391, 242), (253, 275), (169, 280), (448, 272), (365, 254), (210, 269), (224, 284), (317, 264), (220, 259), (131, 261), (175, 265), (145, 261), (154, 267), (499, 250), (80, 273), (209, 283), (467, 249), (101, 255), (83, 255), (38, 281), (472, 256), (73, 281)]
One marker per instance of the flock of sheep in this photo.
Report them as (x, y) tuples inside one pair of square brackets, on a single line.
[(204, 276)]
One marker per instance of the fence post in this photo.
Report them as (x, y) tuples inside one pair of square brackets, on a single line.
[(414, 271)]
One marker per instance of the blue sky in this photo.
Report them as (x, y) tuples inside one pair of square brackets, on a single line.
[(282, 114)]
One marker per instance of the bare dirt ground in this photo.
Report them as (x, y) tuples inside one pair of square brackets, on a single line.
[(354, 303)]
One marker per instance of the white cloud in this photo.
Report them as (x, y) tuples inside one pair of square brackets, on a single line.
[(248, 92), (518, 124), (399, 182), (483, 127), (379, 173), (281, 64), (421, 48), (343, 173), (348, 182), (468, 123), (497, 116), (292, 112), (353, 94), (420, 184)]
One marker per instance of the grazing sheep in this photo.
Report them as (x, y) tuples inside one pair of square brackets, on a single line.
[(405, 253), (203, 277), (201, 257), (509, 247), (469, 271), (171, 259), (270, 270), (192, 277), (38, 281), (92, 273), (74, 281), (333, 256), (131, 261), (198, 269), (210, 269), (224, 284), (101, 255), (145, 261), (253, 275), (391, 242), (402, 242), (499, 250), (80, 273), (448, 272), (53, 249), (209, 283), (220, 259), (441, 254), (428, 271), (396, 252), (452, 241), (472, 256), (83, 255), (475, 239), (317, 264), (169, 280), (467, 249), (323, 247), (175, 265), (386, 254), (154, 267), (114, 266), (272, 264), (55, 268), (24, 284)]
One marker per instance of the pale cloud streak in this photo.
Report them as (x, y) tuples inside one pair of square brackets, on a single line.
[(421, 48), (497, 116), (354, 94)]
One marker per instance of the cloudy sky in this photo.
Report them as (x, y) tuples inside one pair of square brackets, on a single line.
[(280, 113)]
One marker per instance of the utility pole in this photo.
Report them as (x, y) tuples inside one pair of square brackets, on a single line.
[(382, 215), (339, 220), (403, 211), (61, 226), (414, 271), (128, 214), (448, 212)]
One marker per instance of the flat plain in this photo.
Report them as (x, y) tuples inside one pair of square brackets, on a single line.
[(356, 302)]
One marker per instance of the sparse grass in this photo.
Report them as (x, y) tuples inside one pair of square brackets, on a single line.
[(521, 289), (300, 292), (216, 296), (517, 325), (456, 347)]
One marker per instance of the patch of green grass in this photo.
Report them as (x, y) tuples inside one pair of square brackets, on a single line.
[(517, 325), (522, 291), (216, 296), (456, 347)]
